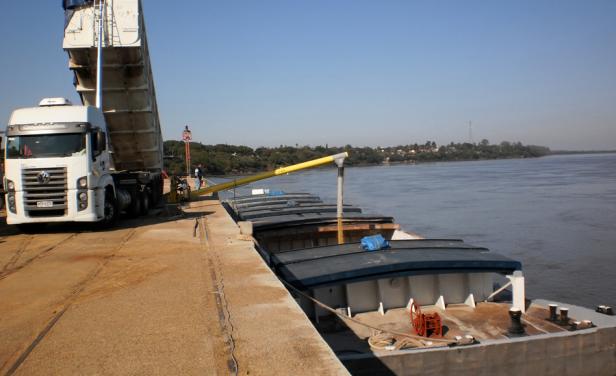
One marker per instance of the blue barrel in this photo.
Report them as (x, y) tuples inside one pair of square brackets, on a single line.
[(374, 243)]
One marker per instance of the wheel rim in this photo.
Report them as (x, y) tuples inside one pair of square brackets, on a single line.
[(109, 210)]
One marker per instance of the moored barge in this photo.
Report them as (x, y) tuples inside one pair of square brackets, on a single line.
[(435, 306)]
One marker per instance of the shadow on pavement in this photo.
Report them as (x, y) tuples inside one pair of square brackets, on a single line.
[(161, 214)]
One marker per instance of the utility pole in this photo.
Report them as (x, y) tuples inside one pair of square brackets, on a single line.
[(187, 137)]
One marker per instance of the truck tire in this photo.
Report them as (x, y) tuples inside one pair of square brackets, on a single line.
[(134, 210), (110, 211), (145, 202)]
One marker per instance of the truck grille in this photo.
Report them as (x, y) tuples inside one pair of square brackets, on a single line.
[(45, 191)]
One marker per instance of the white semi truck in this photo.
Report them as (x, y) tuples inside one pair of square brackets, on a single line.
[(87, 163)]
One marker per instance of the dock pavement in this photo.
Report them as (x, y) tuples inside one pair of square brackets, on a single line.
[(177, 293)]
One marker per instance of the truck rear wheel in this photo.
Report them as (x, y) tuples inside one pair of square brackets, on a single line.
[(145, 202), (134, 210)]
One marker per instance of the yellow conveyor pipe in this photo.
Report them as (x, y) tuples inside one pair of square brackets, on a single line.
[(279, 171)]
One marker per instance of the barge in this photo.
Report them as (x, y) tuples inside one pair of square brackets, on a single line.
[(417, 305)]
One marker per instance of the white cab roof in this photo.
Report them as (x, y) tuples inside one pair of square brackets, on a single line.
[(58, 114)]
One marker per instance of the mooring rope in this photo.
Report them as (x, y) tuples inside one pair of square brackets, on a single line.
[(344, 317)]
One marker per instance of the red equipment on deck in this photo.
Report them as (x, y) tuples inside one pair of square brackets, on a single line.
[(425, 324)]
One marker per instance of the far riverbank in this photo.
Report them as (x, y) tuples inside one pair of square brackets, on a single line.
[(225, 159)]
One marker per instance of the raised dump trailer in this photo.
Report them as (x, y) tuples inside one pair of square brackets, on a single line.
[(129, 98), (87, 163)]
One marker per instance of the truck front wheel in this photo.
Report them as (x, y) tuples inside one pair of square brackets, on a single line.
[(110, 214)]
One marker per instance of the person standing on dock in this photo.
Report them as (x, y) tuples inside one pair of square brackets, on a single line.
[(198, 176), (203, 182)]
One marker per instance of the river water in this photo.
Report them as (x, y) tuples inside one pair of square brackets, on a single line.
[(556, 214)]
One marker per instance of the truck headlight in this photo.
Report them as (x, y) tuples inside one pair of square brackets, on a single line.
[(10, 185), (11, 202), (82, 182), (82, 200)]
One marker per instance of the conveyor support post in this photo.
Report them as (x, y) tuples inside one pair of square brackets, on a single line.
[(340, 198)]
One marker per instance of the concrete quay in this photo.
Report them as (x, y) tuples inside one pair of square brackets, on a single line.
[(173, 293)]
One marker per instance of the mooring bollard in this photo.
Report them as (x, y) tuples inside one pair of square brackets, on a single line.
[(553, 308), (606, 310), (516, 327), (564, 316)]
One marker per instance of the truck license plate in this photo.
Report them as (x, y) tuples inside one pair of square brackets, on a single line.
[(44, 204)]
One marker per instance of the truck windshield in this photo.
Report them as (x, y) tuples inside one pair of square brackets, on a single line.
[(45, 145)]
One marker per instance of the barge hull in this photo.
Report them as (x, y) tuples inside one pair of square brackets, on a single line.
[(586, 352)]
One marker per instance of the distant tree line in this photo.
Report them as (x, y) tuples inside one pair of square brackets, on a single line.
[(566, 152), (225, 159)]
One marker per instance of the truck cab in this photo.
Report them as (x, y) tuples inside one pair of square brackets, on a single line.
[(57, 165), (87, 163)]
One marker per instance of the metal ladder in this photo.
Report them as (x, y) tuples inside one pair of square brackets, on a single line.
[(111, 32)]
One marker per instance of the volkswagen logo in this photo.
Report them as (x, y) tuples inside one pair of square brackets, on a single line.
[(43, 177)]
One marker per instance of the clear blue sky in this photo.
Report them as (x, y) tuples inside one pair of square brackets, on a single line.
[(353, 72)]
